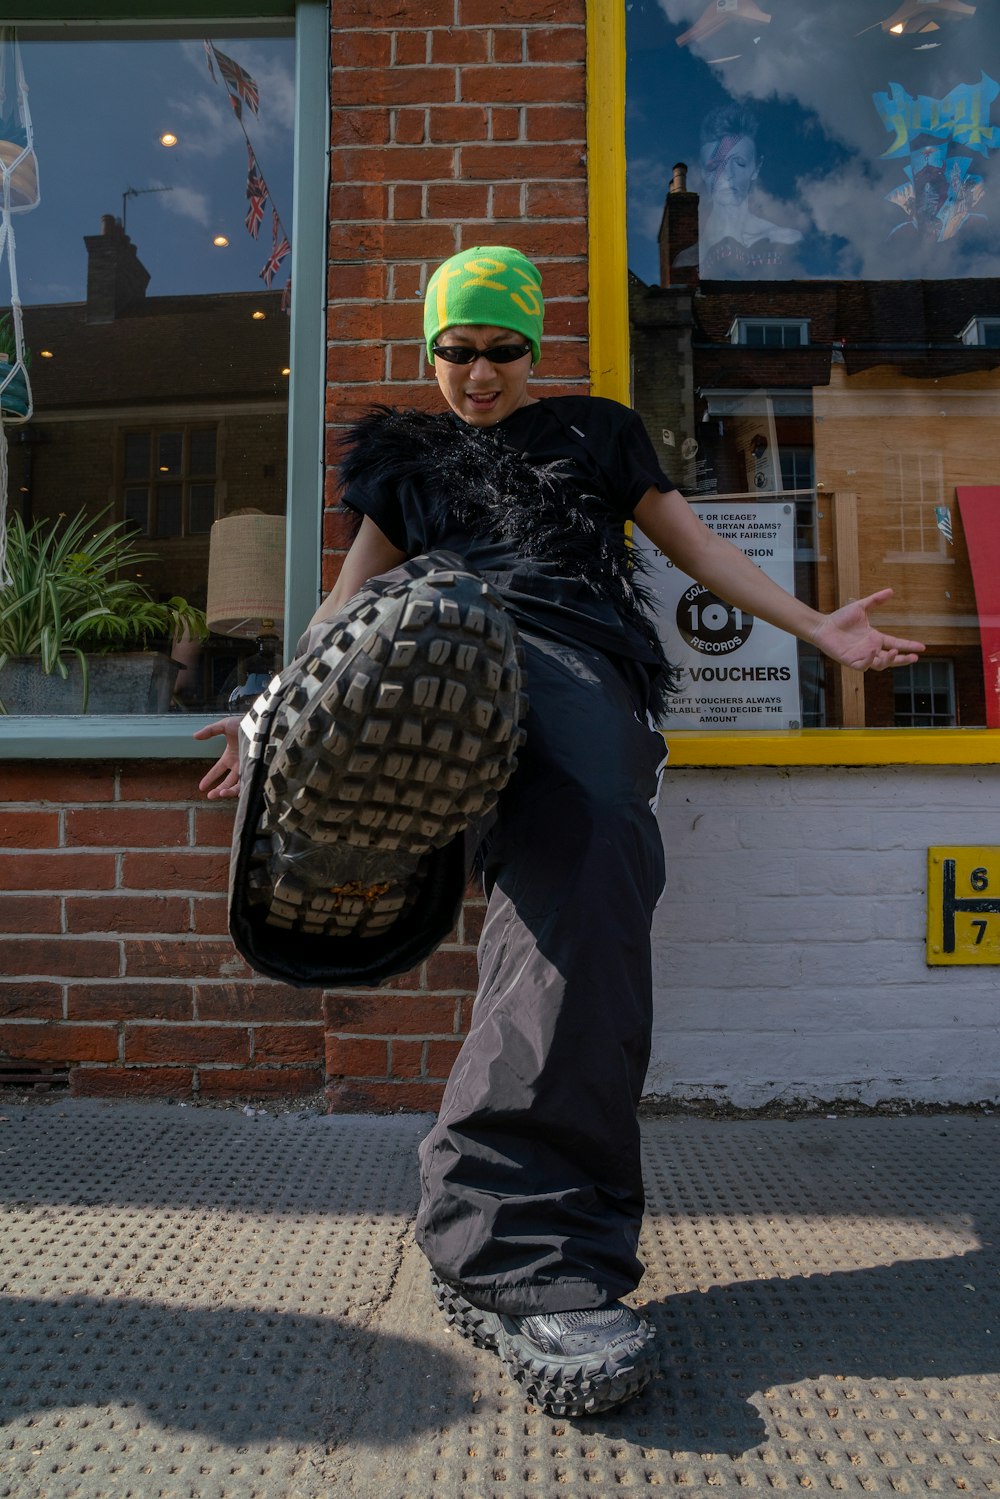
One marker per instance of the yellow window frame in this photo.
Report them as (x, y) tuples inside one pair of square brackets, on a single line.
[(609, 376)]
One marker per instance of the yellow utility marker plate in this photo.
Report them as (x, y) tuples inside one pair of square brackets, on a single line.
[(963, 905)]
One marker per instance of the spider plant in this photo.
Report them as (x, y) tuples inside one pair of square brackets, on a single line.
[(67, 595)]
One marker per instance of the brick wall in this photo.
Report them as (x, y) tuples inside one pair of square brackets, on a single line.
[(454, 122), (117, 967), (118, 971)]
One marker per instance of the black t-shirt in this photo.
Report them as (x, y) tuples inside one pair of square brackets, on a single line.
[(606, 464)]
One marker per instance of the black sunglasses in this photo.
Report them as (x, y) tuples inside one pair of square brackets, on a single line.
[(499, 354)]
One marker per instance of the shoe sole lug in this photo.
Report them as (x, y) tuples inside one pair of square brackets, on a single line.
[(481, 1328), (563, 1387), (577, 1387)]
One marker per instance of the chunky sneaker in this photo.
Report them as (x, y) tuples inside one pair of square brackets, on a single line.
[(398, 729), (568, 1363)]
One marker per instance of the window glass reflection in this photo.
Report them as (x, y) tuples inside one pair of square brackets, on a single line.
[(156, 281), (169, 448), (815, 317)]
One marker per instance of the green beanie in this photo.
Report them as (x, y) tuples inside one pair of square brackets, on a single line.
[(491, 286)]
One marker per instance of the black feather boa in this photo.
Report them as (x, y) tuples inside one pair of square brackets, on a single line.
[(469, 473)]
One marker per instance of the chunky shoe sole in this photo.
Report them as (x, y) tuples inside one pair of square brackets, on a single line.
[(481, 1328), (401, 731), (562, 1385)]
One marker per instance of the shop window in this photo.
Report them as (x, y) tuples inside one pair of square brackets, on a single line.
[(815, 317), (169, 481), (154, 272), (770, 333), (923, 695)]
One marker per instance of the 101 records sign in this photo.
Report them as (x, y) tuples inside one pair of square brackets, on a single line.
[(734, 671)]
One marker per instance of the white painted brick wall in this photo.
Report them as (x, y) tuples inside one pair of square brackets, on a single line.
[(789, 948)]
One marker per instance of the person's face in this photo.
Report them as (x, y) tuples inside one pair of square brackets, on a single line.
[(482, 393), (732, 178)]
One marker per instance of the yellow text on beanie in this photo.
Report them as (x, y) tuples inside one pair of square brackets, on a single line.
[(491, 286)]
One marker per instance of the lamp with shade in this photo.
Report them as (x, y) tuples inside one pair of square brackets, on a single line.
[(246, 592)]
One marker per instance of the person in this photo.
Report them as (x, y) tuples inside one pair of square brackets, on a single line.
[(531, 1187), (736, 241)]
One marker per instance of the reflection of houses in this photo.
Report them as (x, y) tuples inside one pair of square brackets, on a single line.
[(170, 410), (865, 398)]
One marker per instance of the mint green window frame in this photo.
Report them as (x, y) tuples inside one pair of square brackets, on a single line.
[(168, 736)]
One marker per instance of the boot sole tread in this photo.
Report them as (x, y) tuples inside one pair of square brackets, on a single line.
[(402, 731)]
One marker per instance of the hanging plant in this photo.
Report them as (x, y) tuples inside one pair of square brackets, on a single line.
[(17, 160), (14, 397), (18, 193)]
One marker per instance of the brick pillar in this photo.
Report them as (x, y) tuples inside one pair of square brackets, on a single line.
[(455, 123)]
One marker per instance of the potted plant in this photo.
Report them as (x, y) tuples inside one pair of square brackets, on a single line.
[(69, 606), (13, 388)]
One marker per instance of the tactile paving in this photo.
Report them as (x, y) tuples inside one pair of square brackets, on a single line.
[(198, 1304), (187, 1295)]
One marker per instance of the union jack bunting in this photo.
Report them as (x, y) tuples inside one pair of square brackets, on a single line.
[(208, 58), (274, 260), (242, 88), (255, 215), (257, 194), (286, 296), (257, 187)]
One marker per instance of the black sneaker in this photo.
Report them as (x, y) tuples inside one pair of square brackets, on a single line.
[(391, 735), (568, 1363)]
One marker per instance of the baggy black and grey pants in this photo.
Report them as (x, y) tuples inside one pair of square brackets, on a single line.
[(532, 1195)]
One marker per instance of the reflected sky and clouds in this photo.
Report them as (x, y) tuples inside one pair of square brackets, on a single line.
[(98, 110), (809, 78)]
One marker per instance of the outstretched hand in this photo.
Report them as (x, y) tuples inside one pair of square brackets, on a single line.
[(848, 636), (224, 777)]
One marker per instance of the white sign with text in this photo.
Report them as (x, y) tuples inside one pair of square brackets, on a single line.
[(734, 671)]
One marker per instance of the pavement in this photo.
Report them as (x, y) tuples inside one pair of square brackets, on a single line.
[(206, 1303)]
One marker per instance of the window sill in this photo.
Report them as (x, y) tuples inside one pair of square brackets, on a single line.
[(169, 737), (140, 736), (835, 747)]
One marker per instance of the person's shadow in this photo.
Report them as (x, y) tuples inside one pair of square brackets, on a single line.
[(95, 1194), (917, 1318), (225, 1374)]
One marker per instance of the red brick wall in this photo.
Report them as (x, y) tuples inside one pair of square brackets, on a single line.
[(117, 966), (117, 969), (455, 122)]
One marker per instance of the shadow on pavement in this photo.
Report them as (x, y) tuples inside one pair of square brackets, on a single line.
[(935, 1319), (233, 1376)]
